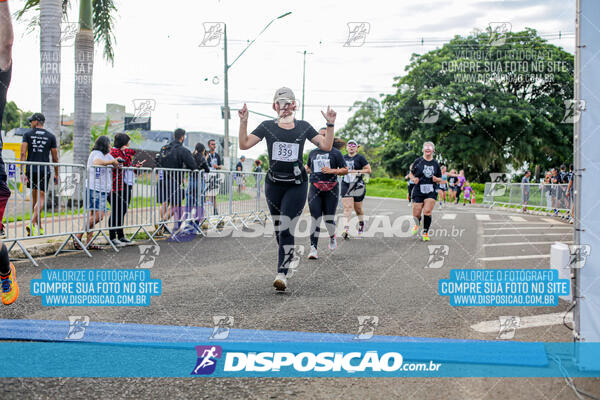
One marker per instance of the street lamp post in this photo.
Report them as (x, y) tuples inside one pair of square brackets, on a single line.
[(226, 66)]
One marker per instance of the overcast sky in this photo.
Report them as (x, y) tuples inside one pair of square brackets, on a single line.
[(157, 54)]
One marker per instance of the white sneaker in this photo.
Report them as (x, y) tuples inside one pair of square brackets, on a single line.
[(332, 243), (118, 243), (313, 255), (280, 282)]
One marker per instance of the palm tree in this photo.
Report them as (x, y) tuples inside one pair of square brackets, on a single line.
[(49, 19), (84, 69), (96, 24)]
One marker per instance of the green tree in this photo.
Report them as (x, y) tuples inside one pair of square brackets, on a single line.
[(364, 127), (485, 106), (14, 117), (264, 159)]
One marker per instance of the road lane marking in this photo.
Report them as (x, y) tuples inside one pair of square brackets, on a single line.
[(527, 234), (482, 217), (449, 216), (533, 321), (519, 243), (528, 227), (517, 219), (508, 258)]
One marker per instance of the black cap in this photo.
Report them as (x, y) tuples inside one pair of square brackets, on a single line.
[(37, 117)]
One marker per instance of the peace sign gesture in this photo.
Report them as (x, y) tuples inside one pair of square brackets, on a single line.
[(330, 115)]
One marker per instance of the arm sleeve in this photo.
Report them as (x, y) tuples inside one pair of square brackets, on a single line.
[(308, 160), (260, 131), (53, 142), (26, 137), (438, 172)]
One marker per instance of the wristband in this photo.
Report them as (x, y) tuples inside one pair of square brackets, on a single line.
[(328, 124)]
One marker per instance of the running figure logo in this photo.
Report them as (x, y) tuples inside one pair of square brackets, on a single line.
[(573, 109), (67, 34), (499, 181), (148, 254), (223, 325), (437, 255), (68, 183), (579, 255), (207, 362), (142, 110), (498, 32), (431, 111), (292, 258), (357, 33), (508, 327), (213, 32), (366, 327), (77, 327)]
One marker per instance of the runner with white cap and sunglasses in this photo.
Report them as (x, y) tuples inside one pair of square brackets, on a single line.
[(286, 184)]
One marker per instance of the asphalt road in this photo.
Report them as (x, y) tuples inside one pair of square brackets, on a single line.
[(383, 275)]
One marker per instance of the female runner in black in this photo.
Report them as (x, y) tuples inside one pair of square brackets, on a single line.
[(286, 182)]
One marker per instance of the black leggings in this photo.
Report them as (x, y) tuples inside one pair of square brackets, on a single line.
[(458, 191), (119, 202), (322, 205), (286, 203)]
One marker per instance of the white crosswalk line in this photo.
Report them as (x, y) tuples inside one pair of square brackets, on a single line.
[(449, 216), (554, 221), (524, 228), (527, 234), (517, 219), (520, 243), (482, 217), (532, 321), (508, 258)]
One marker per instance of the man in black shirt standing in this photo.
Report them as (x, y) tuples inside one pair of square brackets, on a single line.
[(170, 191), (9, 289), (37, 145)]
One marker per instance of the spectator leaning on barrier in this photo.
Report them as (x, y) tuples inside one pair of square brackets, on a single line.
[(195, 192), (555, 191), (99, 185), (525, 190), (9, 289), (214, 162), (214, 159), (239, 178), (172, 156), (122, 188), (37, 145), (258, 178)]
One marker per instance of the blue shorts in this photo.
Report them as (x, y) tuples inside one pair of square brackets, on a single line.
[(96, 200)]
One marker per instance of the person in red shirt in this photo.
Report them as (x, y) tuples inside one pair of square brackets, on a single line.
[(122, 187)]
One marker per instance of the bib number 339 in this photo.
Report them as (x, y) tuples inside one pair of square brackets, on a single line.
[(283, 151)]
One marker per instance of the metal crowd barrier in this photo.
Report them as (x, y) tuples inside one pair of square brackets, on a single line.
[(537, 197), (74, 196), (59, 202)]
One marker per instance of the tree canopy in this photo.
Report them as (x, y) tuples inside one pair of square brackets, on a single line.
[(487, 106)]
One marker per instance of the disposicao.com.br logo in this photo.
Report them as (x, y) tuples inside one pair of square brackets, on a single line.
[(239, 362)]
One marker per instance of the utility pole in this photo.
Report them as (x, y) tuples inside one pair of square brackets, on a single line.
[(226, 101), (226, 66), (303, 79)]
